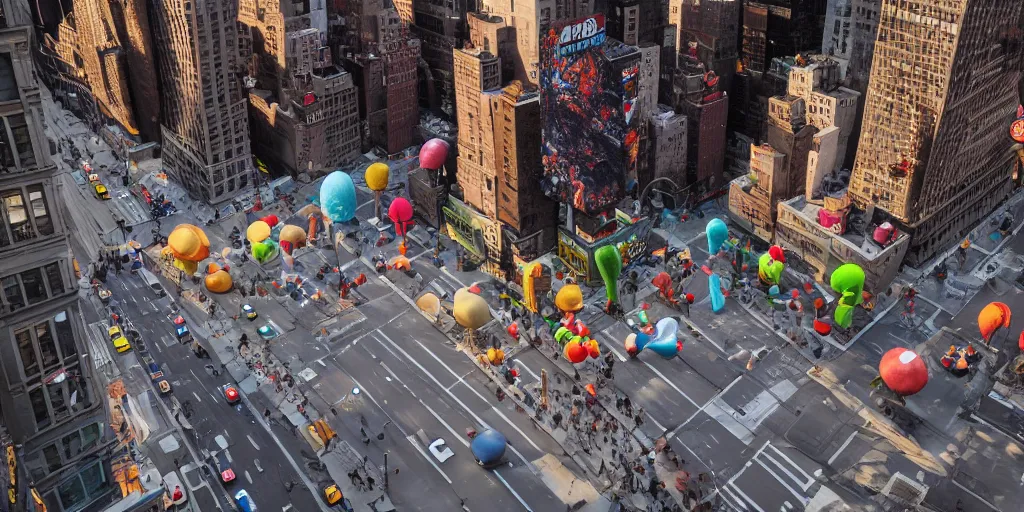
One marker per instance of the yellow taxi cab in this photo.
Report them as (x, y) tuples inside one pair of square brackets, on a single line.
[(117, 338), (101, 191), (333, 494)]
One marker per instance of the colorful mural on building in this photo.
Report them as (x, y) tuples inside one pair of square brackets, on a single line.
[(588, 90)]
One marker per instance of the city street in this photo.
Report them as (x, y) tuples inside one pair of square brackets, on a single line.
[(262, 468)]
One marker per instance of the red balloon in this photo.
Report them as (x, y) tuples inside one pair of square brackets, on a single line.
[(433, 154), (575, 352), (689, 298), (1020, 342), (776, 253), (400, 212), (822, 328), (903, 371), (513, 330), (271, 220)]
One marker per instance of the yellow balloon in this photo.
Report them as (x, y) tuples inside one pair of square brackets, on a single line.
[(376, 176), (569, 299), (470, 310), (293, 234), (218, 282), (257, 231), (189, 267), (188, 242)]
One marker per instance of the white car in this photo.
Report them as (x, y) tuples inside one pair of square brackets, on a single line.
[(176, 491)]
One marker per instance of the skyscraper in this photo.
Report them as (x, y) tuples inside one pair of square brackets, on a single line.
[(933, 149), (205, 123), (50, 406)]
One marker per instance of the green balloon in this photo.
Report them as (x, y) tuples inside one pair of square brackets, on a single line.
[(264, 251), (609, 263), (848, 281), (769, 269)]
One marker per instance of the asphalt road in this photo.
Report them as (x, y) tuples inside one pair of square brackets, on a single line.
[(719, 420), (259, 465)]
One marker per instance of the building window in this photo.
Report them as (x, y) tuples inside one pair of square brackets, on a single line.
[(35, 288), (42, 414), (22, 140), (40, 211), (12, 293), (16, 216), (79, 490), (29, 361), (47, 346), (8, 82), (65, 335)]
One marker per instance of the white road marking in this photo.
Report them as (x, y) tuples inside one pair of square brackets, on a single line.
[(474, 391), (247, 477), (709, 402), (519, 362), (511, 490), (803, 499), (659, 374), (412, 440), (197, 396), (746, 499), (612, 349), (516, 428), (455, 434), (252, 441)]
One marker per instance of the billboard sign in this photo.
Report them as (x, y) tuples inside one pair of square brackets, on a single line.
[(581, 35), (588, 87)]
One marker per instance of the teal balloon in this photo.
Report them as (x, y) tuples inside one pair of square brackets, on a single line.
[(338, 197), (715, 292), (609, 263), (717, 233)]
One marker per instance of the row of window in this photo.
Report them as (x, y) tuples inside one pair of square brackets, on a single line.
[(32, 286), (24, 220), (63, 452), (80, 490)]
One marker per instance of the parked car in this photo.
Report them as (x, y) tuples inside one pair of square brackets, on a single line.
[(244, 501), (176, 492), (250, 313), (117, 338), (231, 394), (222, 462), (101, 191)]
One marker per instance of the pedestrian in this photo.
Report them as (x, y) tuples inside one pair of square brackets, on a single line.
[(266, 413), (618, 403), (370, 482), (639, 420), (628, 405)]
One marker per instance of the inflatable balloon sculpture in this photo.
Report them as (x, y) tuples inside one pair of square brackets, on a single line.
[(338, 197), (488, 448), (573, 337), (376, 177), (291, 238), (717, 233), (264, 248), (400, 213), (664, 342), (993, 317), (770, 266), (188, 245), (609, 263), (902, 372), (218, 280), (471, 312), (569, 299), (433, 155), (848, 281)]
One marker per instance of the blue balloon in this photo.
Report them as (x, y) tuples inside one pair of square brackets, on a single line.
[(665, 348), (666, 329), (489, 447), (338, 197), (717, 233), (715, 291), (642, 340)]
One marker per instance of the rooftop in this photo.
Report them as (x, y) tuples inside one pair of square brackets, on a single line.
[(854, 237)]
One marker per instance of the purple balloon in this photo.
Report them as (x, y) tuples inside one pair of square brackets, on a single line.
[(433, 154)]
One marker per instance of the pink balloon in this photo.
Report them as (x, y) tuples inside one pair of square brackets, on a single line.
[(400, 213), (433, 154)]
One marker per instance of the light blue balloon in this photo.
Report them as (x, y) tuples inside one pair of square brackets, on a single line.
[(715, 291), (717, 233), (338, 197), (666, 329)]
